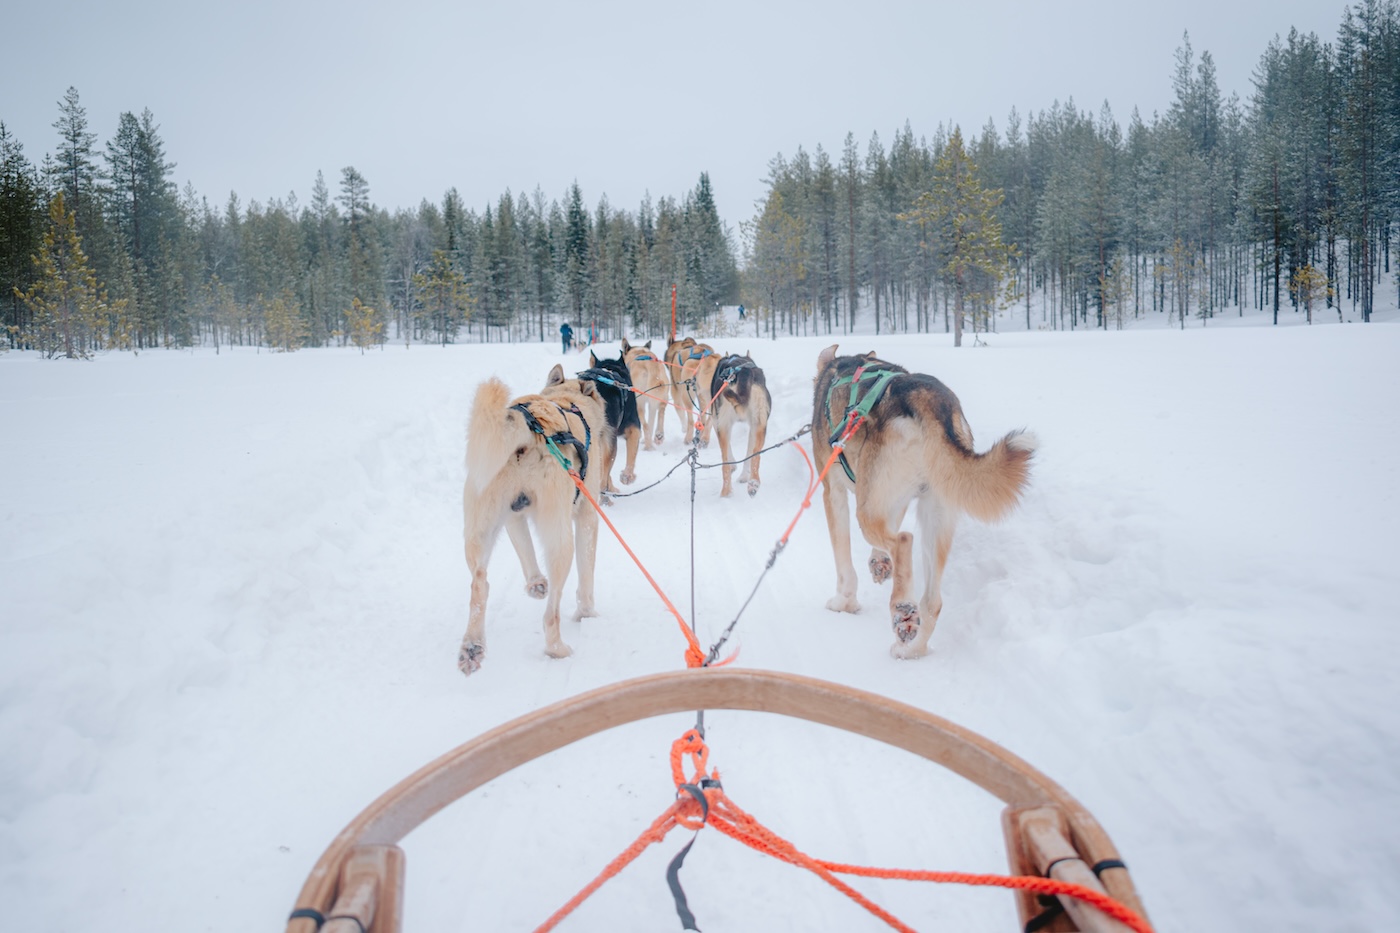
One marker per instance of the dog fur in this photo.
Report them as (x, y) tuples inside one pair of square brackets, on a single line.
[(692, 367), (649, 377), (512, 481), (622, 417), (915, 446), (745, 399)]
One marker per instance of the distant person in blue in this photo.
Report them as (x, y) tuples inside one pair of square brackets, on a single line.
[(566, 331), (741, 312)]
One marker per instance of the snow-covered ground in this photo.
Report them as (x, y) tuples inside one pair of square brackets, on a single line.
[(233, 591)]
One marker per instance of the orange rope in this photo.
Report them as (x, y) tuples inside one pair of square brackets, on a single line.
[(694, 655), (836, 449), (727, 817), (654, 833), (1033, 883)]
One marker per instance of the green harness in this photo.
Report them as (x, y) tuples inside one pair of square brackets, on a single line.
[(858, 403)]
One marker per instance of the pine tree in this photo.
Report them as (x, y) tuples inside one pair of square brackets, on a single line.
[(21, 230), (364, 324), (443, 297), (68, 311), (964, 232)]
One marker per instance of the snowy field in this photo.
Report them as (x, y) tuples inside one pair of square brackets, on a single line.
[(233, 592)]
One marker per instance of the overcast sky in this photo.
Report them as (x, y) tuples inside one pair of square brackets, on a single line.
[(625, 97)]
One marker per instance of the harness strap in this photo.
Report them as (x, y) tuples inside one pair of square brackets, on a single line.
[(696, 354), (858, 403), (552, 441), (729, 370)]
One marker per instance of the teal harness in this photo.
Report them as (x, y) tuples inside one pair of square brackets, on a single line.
[(858, 404)]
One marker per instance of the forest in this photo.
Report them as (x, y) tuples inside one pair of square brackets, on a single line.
[(1285, 202)]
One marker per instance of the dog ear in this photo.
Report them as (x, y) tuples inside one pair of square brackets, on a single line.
[(625, 345), (556, 376), (592, 358), (588, 387), (870, 355), (826, 356), (648, 345)]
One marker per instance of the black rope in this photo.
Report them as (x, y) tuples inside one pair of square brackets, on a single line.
[(307, 913), (679, 464), (348, 917), (694, 459), (757, 453), (729, 629)]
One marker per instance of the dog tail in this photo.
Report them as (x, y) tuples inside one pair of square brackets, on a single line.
[(988, 486), (493, 432)]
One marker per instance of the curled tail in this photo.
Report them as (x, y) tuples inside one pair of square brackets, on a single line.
[(988, 486), (493, 432)]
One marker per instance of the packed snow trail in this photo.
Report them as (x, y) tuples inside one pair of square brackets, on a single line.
[(234, 589)]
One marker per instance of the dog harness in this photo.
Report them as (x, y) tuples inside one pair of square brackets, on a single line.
[(552, 441), (731, 366), (858, 403), (697, 354), (604, 376), (642, 357)]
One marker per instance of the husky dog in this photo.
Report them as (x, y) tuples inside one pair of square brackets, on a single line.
[(914, 446), (742, 396), (513, 476), (692, 367), (614, 385), (650, 378)]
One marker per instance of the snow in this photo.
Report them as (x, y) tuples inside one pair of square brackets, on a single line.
[(233, 593)]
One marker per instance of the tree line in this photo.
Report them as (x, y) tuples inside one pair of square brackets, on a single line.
[(101, 250), (1291, 198)]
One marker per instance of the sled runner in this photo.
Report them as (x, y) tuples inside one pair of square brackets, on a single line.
[(1053, 842)]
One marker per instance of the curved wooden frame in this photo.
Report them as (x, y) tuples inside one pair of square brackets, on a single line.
[(465, 768)]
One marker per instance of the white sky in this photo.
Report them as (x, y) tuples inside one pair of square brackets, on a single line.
[(625, 97)]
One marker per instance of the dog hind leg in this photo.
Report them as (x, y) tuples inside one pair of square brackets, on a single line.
[(480, 540), (937, 522), (536, 586), (838, 523), (558, 546), (586, 547), (629, 473), (879, 525)]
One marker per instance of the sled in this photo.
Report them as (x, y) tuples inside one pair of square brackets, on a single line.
[(357, 884)]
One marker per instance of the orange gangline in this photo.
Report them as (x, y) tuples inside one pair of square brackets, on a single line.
[(694, 655)]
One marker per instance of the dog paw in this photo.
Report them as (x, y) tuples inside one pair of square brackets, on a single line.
[(605, 499), (558, 650), (469, 658), (725, 491), (881, 567), (752, 487), (659, 438), (585, 612), (907, 651), (905, 618), (536, 587), (628, 477), (840, 603)]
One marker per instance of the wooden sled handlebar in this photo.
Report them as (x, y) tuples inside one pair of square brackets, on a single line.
[(1041, 817)]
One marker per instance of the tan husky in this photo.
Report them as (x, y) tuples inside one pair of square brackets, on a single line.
[(513, 477), (742, 397), (652, 383), (914, 446), (692, 367)]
